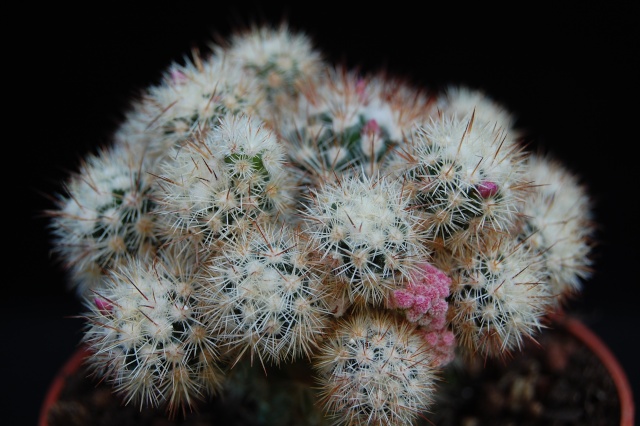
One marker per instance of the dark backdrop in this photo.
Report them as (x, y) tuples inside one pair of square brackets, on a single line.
[(567, 73)]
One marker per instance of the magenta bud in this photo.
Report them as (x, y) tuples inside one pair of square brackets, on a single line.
[(102, 305), (487, 189), (371, 127)]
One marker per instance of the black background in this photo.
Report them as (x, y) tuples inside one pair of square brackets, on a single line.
[(69, 72)]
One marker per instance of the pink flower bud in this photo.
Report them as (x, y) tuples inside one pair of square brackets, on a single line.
[(442, 344), (432, 338), (371, 127), (448, 338), (438, 323), (422, 304), (435, 276), (413, 315), (403, 299), (103, 306), (487, 189), (439, 307)]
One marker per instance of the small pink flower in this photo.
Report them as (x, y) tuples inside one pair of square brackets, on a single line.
[(487, 189), (436, 277), (448, 338), (435, 319), (432, 338), (423, 299), (438, 323)]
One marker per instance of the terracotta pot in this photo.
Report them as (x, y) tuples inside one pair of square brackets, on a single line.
[(57, 385), (575, 326), (602, 351)]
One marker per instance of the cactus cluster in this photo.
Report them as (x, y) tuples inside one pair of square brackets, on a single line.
[(261, 207)]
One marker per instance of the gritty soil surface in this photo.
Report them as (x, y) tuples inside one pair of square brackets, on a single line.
[(557, 382), (554, 382)]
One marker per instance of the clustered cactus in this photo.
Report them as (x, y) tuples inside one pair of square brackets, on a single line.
[(262, 207)]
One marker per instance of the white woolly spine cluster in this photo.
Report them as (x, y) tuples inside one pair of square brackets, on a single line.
[(498, 297), (557, 222), (266, 296), (190, 98), (223, 179), (105, 215), (149, 335), (374, 369), (281, 61), (365, 232), (351, 122), (463, 179), (457, 102)]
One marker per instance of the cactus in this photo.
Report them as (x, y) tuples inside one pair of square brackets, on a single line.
[(263, 216), (220, 180), (190, 97), (104, 216), (351, 121), (283, 62), (148, 330), (557, 222), (363, 229), (266, 295), (375, 370), (463, 177), (498, 296)]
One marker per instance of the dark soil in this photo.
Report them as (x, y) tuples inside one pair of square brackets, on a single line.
[(281, 398), (557, 382)]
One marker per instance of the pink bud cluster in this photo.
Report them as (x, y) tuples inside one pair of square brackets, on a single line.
[(442, 343), (423, 301)]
